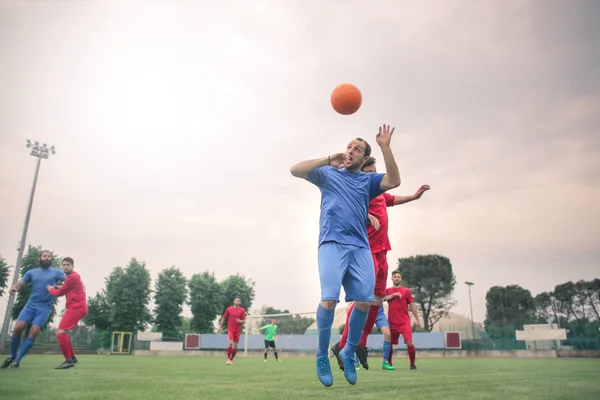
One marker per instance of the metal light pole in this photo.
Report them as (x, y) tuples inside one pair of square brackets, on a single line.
[(38, 151), (469, 284)]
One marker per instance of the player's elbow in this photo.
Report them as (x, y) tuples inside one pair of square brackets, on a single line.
[(297, 172)]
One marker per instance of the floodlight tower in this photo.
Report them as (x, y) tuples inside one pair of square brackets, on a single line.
[(469, 284), (39, 151)]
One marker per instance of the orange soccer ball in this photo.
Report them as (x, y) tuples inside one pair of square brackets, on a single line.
[(346, 99)]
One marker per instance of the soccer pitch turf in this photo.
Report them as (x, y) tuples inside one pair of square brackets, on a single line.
[(170, 378)]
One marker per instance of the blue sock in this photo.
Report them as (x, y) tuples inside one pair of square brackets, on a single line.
[(387, 347), (27, 343), (355, 328), (14, 346), (324, 323)]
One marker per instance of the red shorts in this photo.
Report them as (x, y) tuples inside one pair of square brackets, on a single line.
[(405, 332), (234, 335), (381, 272), (72, 317)]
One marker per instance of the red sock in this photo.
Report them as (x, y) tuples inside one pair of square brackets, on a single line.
[(344, 337), (391, 353), (411, 353), (229, 352), (371, 318), (233, 353), (65, 345), (72, 352)]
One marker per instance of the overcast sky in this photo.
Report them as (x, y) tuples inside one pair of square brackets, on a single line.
[(176, 123)]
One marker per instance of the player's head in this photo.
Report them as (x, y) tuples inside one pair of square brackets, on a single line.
[(237, 301), (67, 265), (369, 165), (396, 278), (274, 321), (46, 259), (357, 153)]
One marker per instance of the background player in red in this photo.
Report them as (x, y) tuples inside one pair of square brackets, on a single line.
[(236, 315), (74, 290), (399, 299), (379, 242)]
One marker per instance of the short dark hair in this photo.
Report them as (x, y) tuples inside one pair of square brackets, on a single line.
[(368, 163), (46, 251), (396, 272), (69, 260), (367, 146)]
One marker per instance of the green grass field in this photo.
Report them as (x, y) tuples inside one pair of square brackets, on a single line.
[(170, 378)]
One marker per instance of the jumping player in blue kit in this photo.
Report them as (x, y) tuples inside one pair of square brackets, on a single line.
[(38, 308), (344, 255)]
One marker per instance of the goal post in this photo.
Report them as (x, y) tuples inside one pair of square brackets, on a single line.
[(253, 323)]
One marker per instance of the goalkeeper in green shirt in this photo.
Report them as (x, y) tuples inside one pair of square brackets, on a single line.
[(270, 336)]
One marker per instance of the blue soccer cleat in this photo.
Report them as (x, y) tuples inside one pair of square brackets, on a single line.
[(349, 366), (324, 370)]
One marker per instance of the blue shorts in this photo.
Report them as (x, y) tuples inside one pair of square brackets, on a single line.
[(35, 314), (348, 266), (381, 321)]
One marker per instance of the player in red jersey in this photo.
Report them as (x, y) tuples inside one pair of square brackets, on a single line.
[(399, 300), (379, 242), (74, 290), (236, 315)]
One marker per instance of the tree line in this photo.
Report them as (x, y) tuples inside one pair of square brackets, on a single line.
[(128, 303), (574, 306)]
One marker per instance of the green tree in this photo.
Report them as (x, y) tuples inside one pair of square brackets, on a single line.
[(128, 294), (237, 286), (431, 280), (98, 314), (507, 309), (544, 308), (205, 301), (568, 301), (31, 261), (287, 324), (4, 274), (169, 297)]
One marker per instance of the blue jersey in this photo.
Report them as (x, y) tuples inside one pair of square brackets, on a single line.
[(345, 198), (40, 278)]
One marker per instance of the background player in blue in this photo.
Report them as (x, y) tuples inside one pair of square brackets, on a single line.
[(36, 310), (344, 253)]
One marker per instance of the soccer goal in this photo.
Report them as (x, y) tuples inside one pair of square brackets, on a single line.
[(291, 328)]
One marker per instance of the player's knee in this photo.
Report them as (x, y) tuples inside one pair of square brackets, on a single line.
[(60, 332), (19, 328), (328, 304), (34, 331), (363, 305), (409, 343), (378, 301), (387, 337)]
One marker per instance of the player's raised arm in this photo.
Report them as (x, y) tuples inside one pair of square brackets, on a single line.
[(302, 169), (391, 179), (17, 286), (64, 289), (407, 199)]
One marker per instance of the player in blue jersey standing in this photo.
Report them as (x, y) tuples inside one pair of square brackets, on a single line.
[(344, 255), (38, 308)]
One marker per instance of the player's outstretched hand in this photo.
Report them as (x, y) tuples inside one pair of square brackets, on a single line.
[(421, 190), (48, 287), (13, 291), (384, 136)]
